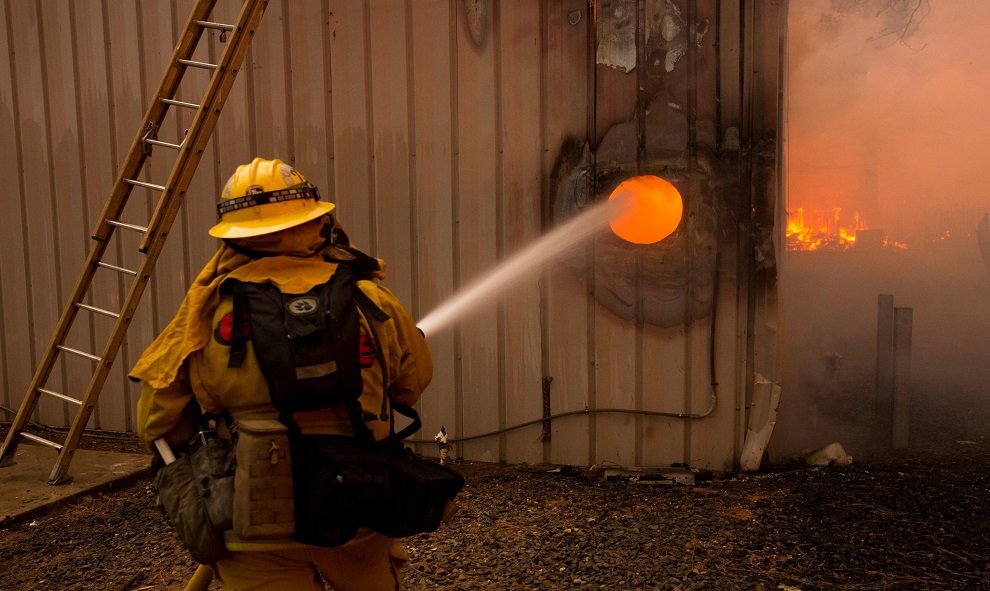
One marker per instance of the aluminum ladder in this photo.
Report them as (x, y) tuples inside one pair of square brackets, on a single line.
[(190, 149)]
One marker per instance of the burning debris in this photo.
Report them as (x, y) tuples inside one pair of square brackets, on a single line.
[(827, 231)]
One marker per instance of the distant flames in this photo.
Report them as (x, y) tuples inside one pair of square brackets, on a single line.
[(824, 231)]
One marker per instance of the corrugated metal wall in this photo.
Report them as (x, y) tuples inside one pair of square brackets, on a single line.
[(441, 129)]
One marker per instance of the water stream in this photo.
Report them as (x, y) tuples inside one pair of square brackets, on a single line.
[(521, 264)]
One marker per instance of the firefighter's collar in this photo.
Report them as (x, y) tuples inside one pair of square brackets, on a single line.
[(290, 274)]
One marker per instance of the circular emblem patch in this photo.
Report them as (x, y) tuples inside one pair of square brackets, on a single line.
[(302, 306)]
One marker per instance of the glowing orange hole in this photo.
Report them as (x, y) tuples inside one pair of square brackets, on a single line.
[(650, 209)]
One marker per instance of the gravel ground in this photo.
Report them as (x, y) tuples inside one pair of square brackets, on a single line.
[(910, 521)]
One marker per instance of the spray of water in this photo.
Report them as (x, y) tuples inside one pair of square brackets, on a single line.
[(547, 247)]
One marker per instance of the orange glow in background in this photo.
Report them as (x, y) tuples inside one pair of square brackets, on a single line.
[(650, 209)]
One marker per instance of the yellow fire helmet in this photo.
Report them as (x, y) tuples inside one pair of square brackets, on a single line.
[(266, 196)]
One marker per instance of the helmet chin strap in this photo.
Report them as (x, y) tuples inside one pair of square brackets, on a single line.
[(340, 251)]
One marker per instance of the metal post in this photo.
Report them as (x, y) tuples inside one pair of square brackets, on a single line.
[(885, 356), (902, 376)]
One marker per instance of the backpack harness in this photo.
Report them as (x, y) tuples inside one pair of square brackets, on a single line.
[(307, 346)]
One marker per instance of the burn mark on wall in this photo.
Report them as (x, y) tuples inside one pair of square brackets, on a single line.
[(668, 34), (670, 283), (675, 278), (477, 19), (616, 34)]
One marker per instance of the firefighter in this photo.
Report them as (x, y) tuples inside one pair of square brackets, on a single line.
[(276, 231)]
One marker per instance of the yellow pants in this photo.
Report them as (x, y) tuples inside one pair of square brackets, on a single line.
[(370, 562)]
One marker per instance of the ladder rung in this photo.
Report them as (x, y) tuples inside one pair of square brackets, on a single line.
[(60, 396), (79, 353), (144, 184), (100, 310), (114, 268), (217, 26), (41, 440), (179, 103), (127, 226), (196, 64), (163, 144)]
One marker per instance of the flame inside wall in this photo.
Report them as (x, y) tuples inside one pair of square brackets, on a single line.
[(828, 231), (650, 209)]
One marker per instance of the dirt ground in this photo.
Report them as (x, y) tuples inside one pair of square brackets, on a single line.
[(913, 520)]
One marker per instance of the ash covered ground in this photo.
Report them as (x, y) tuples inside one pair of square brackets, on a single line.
[(915, 519)]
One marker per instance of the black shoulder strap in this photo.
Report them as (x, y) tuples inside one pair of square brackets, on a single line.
[(372, 310), (239, 323)]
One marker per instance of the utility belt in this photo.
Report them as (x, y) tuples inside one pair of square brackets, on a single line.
[(320, 489), (272, 482)]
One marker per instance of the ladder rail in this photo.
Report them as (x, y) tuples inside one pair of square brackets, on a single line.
[(173, 191)]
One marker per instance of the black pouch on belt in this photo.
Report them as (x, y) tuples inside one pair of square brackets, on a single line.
[(213, 464), (384, 488), (196, 492)]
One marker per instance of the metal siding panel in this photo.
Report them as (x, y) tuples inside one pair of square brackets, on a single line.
[(728, 55), (567, 344), (616, 387), (232, 144), (162, 25), (16, 331), (392, 166), (707, 71), (666, 361), (187, 246), (351, 130), (703, 435), (127, 77), (199, 204), (663, 367), (432, 82), (98, 155), (166, 288), (476, 229), (308, 92), (38, 214), (520, 45), (766, 68), (617, 381), (72, 236), (269, 71), (712, 441)]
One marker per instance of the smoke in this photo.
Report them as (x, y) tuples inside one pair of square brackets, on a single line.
[(886, 115), (894, 126)]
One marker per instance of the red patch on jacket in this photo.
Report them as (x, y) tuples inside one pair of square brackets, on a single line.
[(366, 351), (224, 331)]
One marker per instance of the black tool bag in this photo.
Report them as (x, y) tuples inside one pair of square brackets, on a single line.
[(385, 488)]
